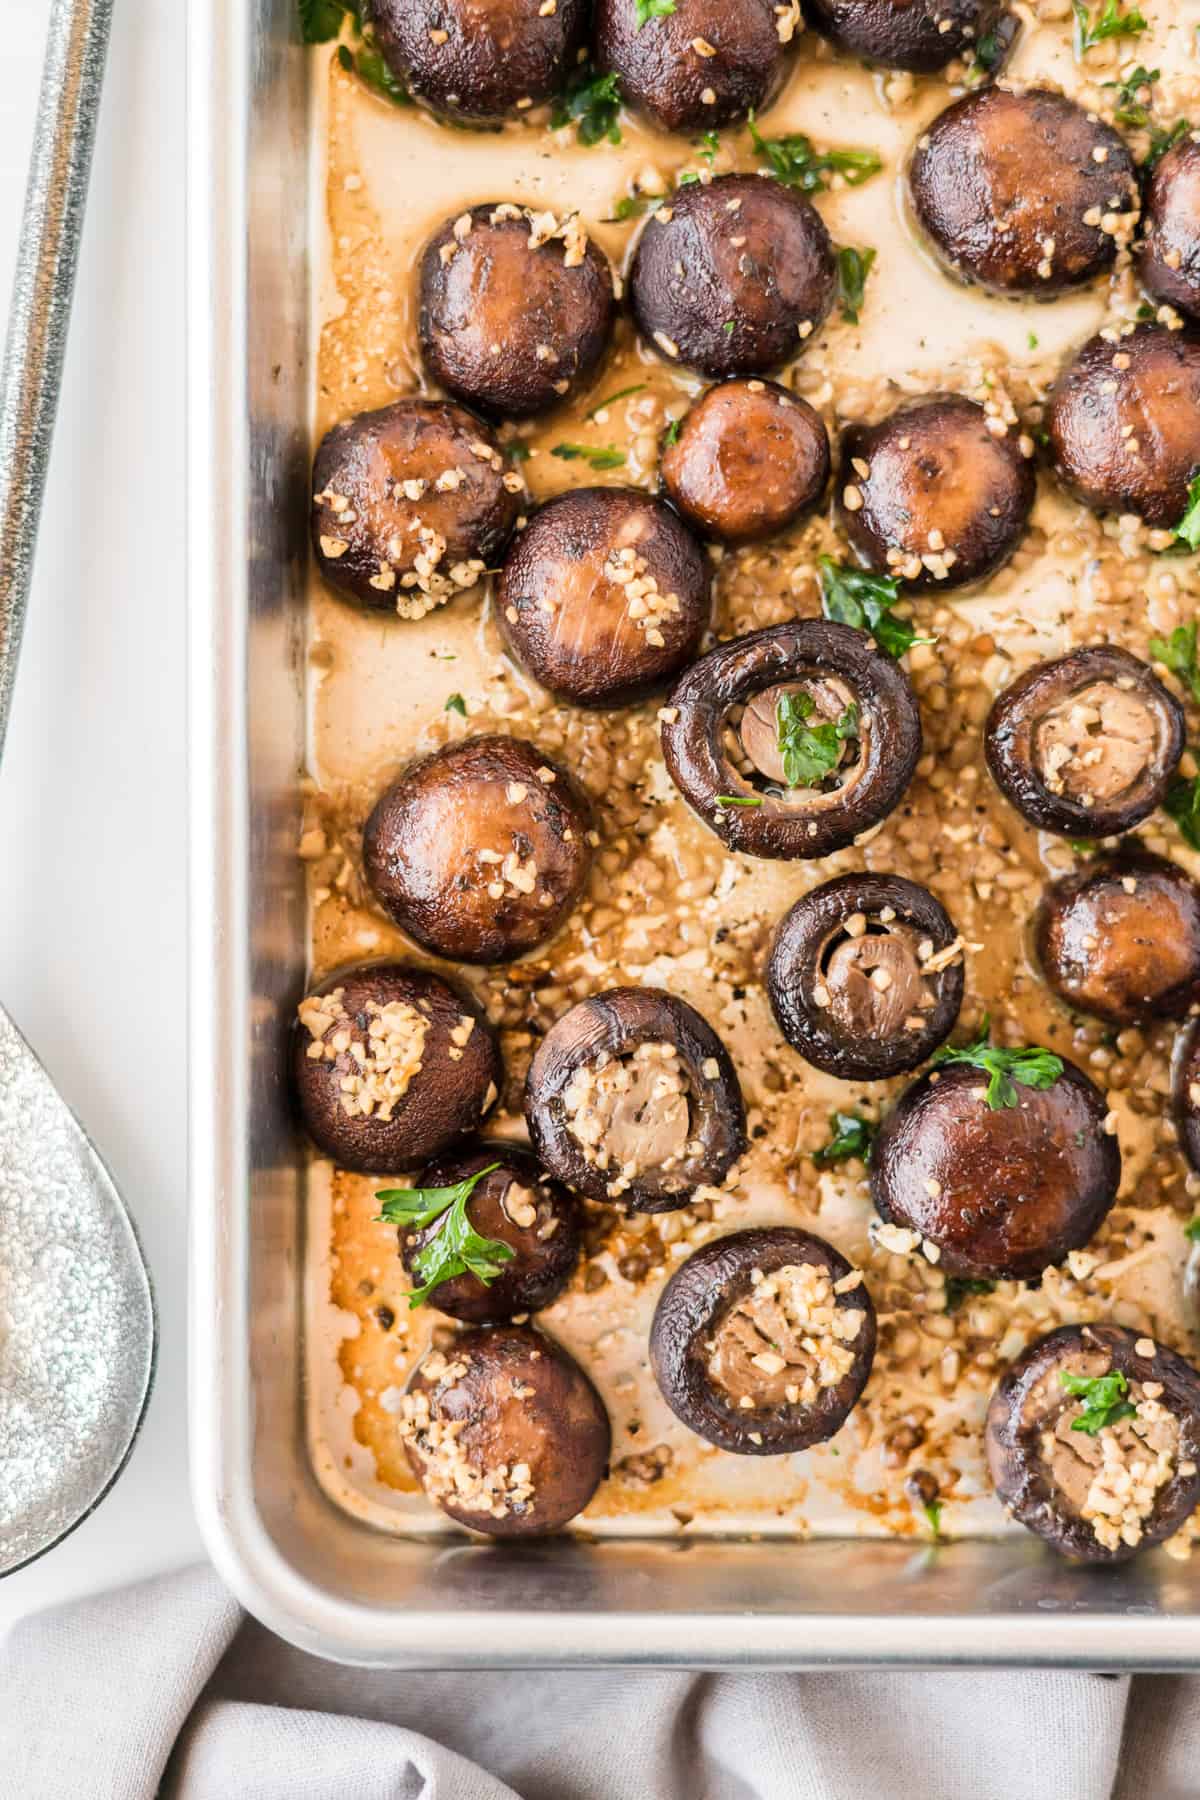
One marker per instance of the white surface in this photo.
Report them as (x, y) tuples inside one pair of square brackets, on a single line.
[(93, 788)]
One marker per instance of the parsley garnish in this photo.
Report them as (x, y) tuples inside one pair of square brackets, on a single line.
[(728, 327), (1031, 1067), (1191, 1231), (368, 64), (849, 1135), (456, 1249), (594, 103), (1083, 846), (810, 752), (739, 800), (457, 704), (1188, 528), (673, 430), (853, 267), (597, 456), (1103, 1399), (518, 452), (1162, 141), (961, 1287), (797, 163), (638, 387), (321, 20), (653, 9), (1178, 653), (933, 1512), (1130, 108), (852, 597), (710, 143), (1183, 805), (1109, 22), (632, 206)]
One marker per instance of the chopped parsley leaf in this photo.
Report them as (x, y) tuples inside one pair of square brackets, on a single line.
[(1032, 340), (853, 267), (962, 1287), (1108, 22), (933, 1512), (593, 103), (1188, 528), (457, 704), (518, 452), (321, 20), (853, 597), (1191, 1230), (849, 1135), (797, 163), (639, 387), (1083, 846), (1183, 805), (1031, 1067), (739, 800), (597, 456), (810, 752), (1178, 653), (1161, 141), (368, 64), (710, 143), (728, 327), (454, 1250), (653, 9), (1130, 108), (1103, 1399), (673, 430)]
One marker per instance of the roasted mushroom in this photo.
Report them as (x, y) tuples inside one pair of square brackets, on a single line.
[(1093, 1441), (865, 976), (391, 1064), (505, 1432), (1024, 193), (700, 64), (632, 1095), (763, 1341), (1120, 939), (794, 740), (604, 596), (1085, 745), (1124, 423), (1002, 1177), (480, 851), (517, 307), (1186, 1091), (411, 504), (480, 63), (921, 36), (734, 276), (748, 459), (1168, 261), (502, 1195), (937, 494)]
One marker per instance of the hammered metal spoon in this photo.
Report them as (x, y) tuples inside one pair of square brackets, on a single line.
[(77, 1323)]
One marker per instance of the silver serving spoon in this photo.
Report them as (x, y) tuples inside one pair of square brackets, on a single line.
[(77, 1324)]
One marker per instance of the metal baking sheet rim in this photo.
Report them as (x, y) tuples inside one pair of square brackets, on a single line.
[(328, 1584)]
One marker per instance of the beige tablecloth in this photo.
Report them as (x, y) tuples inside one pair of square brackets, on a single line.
[(167, 1688)]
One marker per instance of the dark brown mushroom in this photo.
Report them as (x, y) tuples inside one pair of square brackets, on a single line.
[(762, 1342), (411, 504), (604, 596), (512, 1201), (1003, 1192), (1120, 939), (1093, 1441), (1085, 745), (517, 308), (1124, 423), (1186, 1091), (921, 36), (1024, 193), (700, 65), (480, 851), (748, 459), (736, 716), (938, 494), (632, 1095), (505, 1432), (480, 63), (865, 976), (1168, 261), (391, 1065), (734, 276)]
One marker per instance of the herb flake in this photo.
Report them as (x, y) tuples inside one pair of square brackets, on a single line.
[(1183, 805), (854, 597), (457, 1249), (797, 162), (1178, 654), (853, 267), (592, 103), (933, 1512), (457, 704), (964, 1287), (1191, 1231), (849, 1135), (739, 800), (321, 20), (597, 456), (1031, 1067), (639, 387), (1130, 108), (653, 9), (1108, 22), (810, 752), (1103, 1399)]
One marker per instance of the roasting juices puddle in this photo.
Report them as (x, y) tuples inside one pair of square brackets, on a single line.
[(667, 905)]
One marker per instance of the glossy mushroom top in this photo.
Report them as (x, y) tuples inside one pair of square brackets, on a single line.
[(505, 1432), (865, 976), (390, 1065), (701, 65), (733, 276), (921, 36), (480, 851), (938, 494), (631, 1095), (1002, 1189), (1124, 423), (749, 458), (1120, 939), (1024, 193), (1168, 262), (762, 1341), (411, 504), (792, 741), (1093, 1440), (517, 307), (509, 1201), (1085, 745), (480, 60), (604, 596)]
